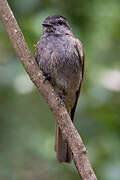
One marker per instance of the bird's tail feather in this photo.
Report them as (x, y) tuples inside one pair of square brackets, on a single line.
[(64, 154)]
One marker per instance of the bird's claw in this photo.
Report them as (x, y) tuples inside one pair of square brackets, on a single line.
[(47, 77)]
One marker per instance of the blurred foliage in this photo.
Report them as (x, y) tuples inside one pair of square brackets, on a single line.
[(27, 127)]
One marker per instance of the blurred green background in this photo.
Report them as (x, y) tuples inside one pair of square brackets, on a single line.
[(27, 127)]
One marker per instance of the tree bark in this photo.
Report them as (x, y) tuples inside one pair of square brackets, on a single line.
[(68, 130)]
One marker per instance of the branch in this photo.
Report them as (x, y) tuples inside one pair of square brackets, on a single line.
[(62, 117)]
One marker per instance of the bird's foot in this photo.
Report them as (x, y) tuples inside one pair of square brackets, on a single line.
[(47, 77), (62, 97)]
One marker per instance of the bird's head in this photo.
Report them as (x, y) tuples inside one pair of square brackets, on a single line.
[(56, 24)]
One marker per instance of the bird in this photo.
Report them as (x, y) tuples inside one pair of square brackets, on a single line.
[(60, 56)]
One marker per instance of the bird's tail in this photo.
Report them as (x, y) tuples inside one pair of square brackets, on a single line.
[(64, 154)]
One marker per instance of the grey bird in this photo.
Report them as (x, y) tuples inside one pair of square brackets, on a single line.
[(61, 58)]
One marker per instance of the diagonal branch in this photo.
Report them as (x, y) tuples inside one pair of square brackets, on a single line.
[(62, 117)]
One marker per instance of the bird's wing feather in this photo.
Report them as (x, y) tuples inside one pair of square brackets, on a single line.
[(80, 51), (79, 48)]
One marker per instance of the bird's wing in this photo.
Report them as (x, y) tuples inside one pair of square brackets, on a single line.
[(79, 48), (37, 54), (81, 55)]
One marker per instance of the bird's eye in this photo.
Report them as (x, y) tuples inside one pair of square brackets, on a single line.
[(60, 22)]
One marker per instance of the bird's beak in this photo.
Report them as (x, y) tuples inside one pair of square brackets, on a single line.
[(47, 24)]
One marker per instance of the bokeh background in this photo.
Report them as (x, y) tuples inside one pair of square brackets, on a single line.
[(27, 127)]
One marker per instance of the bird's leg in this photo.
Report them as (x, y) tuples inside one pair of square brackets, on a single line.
[(62, 97)]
